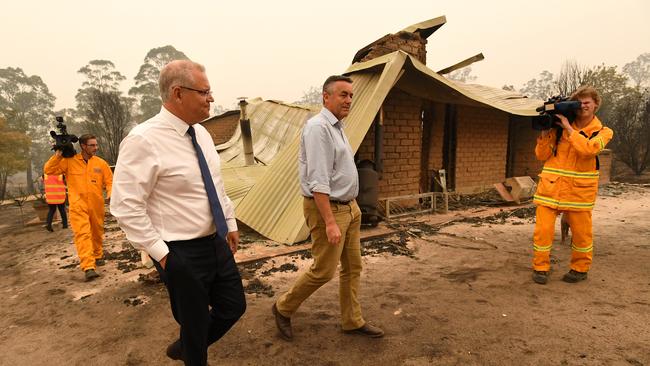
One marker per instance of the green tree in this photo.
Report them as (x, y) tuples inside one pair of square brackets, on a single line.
[(639, 70), (26, 104), (145, 91), (630, 120), (105, 112), (108, 116), (14, 148), (611, 85), (541, 88)]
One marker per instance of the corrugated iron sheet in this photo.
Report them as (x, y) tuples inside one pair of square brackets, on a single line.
[(432, 85), (238, 181), (427, 27), (505, 100), (273, 124)]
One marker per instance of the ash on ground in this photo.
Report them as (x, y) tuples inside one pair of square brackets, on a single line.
[(255, 286), (503, 217), (395, 245), (128, 259)]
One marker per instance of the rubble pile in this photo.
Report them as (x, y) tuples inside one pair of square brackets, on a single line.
[(463, 202), (502, 217), (613, 189)]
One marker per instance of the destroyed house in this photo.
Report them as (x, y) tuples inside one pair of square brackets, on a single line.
[(408, 120)]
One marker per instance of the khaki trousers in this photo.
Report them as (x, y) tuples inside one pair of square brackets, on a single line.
[(581, 238), (326, 259)]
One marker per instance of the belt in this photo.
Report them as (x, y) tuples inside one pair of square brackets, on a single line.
[(193, 241), (338, 202)]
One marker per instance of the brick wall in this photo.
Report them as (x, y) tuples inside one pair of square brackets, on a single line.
[(402, 145), (524, 141), (221, 129), (481, 149), (605, 158), (411, 43)]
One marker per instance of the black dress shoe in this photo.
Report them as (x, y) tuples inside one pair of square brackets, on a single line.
[(283, 323), (49, 227), (367, 330), (174, 350)]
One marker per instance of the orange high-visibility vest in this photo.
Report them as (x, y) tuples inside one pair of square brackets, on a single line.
[(54, 189)]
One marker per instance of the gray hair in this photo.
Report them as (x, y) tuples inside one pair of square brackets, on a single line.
[(178, 72)]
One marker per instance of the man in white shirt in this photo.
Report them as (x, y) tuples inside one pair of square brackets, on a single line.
[(330, 185), (168, 197)]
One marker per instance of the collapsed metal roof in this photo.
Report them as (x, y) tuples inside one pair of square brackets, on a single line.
[(274, 123), (268, 198)]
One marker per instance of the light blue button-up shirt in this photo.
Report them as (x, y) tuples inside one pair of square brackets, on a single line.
[(326, 161)]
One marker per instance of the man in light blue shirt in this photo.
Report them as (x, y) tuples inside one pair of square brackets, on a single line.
[(330, 184)]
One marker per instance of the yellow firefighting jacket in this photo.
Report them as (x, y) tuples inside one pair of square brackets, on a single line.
[(569, 179), (85, 179)]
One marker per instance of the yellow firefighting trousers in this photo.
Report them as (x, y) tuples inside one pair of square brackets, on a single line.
[(88, 228), (581, 238)]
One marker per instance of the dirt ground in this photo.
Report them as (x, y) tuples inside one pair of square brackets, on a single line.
[(450, 289)]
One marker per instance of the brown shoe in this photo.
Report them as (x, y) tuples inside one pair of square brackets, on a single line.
[(574, 276), (90, 274), (540, 277), (174, 350), (367, 330), (283, 323)]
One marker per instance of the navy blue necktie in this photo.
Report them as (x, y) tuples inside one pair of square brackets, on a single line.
[(215, 206)]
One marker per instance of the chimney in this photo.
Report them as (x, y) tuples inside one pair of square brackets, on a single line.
[(412, 40), (411, 43), (246, 134)]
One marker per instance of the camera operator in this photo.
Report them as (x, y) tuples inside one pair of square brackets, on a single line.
[(86, 176), (568, 184)]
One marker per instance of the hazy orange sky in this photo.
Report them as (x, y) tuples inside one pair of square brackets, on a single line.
[(278, 49)]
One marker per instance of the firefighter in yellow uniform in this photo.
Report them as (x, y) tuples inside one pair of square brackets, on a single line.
[(568, 184), (87, 176)]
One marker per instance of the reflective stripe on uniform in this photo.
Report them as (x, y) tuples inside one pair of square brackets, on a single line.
[(571, 173), (563, 204), (541, 248), (582, 250), (50, 185)]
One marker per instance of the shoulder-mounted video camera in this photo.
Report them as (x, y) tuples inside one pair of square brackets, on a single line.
[(552, 107), (64, 140)]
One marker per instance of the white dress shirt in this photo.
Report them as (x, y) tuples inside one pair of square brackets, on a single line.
[(158, 193)]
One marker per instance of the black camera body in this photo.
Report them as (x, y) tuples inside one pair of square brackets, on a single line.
[(552, 107), (64, 140)]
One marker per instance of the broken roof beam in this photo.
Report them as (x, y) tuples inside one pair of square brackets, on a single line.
[(460, 65)]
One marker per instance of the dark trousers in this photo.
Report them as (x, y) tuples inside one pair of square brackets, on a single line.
[(205, 291), (50, 214)]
